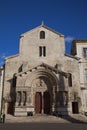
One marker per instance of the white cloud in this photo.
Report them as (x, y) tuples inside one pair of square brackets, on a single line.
[(2, 56), (69, 39)]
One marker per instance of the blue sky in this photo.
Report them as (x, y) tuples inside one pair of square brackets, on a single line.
[(68, 17)]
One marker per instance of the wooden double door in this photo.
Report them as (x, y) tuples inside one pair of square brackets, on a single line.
[(42, 103)]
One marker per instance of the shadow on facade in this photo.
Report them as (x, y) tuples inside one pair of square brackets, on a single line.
[(62, 97), (62, 100), (11, 97), (73, 120)]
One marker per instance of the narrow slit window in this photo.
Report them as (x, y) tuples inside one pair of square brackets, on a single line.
[(44, 51), (85, 75), (70, 79), (14, 81), (85, 52), (40, 51)]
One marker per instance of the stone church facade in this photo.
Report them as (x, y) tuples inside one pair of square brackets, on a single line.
[(42, 79)]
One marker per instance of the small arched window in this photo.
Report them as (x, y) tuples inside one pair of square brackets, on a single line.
[(42, 35)]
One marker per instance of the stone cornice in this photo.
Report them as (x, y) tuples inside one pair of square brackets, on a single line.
[(71, 56), (43, 65), (79, 41)]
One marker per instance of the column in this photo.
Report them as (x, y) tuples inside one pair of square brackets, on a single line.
[(27, 98), (18, 98), (42, 102), (54, 98), (69, 102), (22, 98)]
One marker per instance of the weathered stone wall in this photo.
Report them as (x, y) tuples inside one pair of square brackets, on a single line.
[(80, 45), (11, 67), (72, 66), (30, 42)]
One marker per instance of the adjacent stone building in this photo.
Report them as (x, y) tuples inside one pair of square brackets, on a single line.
[(79, 48), (42, 78)]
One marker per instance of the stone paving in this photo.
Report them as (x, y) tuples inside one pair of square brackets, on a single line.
[(46, 119)]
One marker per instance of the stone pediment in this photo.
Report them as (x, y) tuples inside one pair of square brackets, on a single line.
[(43, 67), (44, 26)]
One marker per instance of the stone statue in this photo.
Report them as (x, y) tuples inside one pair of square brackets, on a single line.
[(18, 97), (40, 83), (65, 97), (24, 97)]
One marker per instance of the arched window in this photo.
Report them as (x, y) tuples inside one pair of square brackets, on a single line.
[(42, 35)]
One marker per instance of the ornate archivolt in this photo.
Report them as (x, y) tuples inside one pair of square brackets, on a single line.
[(45, 70), (41, 79), (41, 73)]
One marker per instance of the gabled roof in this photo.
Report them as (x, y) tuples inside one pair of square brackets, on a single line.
[(46, 27), (46, 66)]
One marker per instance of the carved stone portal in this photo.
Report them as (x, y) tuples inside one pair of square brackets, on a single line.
[(39, 83)]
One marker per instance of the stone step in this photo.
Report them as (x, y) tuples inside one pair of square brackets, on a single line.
[(36, 118), (47, 118)]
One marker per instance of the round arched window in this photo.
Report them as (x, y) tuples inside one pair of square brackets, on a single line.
[(42, 35)]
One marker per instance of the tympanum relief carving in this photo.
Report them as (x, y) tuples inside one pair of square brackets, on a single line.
[(39, 84)]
